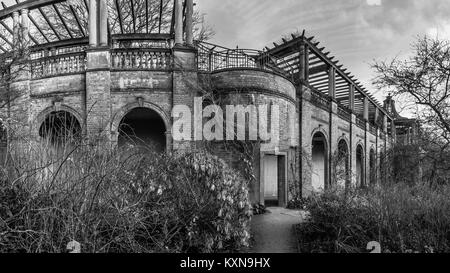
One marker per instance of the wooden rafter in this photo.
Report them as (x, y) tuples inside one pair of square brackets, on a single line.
[(146, 15), (77, 19), (160, 15), (62, 20), (119, 14), (49, 23), (172, 24), (5, 39), (133, 15), (10, 31)]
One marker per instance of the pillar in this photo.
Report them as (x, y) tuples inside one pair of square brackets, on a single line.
[(16, 28), (93, 35), (189, 22), (332, 82), (385, 123), (178, 22), (103, 20), (352, 97), (366, 108), (25, 26), (377, 115)]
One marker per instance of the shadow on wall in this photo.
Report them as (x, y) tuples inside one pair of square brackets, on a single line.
[(143, 127)]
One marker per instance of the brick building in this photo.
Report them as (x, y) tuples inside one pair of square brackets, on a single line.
[(115, 79)]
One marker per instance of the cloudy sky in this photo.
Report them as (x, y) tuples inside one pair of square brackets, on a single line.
[(355, 31)]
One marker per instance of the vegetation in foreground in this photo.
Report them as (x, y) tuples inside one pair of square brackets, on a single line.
[(402, 218), (121, 202)]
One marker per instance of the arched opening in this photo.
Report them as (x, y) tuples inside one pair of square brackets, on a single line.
[(143, 127), (373, 171), (60, 128), (360, 166), (3, 143), (319, 162), (342, 170)]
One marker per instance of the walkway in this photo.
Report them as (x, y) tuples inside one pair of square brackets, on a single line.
[(273, 232)]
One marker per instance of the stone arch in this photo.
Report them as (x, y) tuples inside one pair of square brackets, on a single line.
[(59, 124), (360, 165), (372, 167), (142, 108), (3, 142), (319, 161), (342, 163), (55, 108)]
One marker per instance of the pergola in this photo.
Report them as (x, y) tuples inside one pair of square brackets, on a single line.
[(301, 57), (64, 21)]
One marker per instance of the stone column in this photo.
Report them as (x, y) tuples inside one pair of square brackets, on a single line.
[(178, 22), (25, 27), (16, 28), (332, 82), (103, 20), (189, 22), (352, 97), (93, 39), (385, 123), (366, 108)]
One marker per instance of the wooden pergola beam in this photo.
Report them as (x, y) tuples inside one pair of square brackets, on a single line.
[(133, 15), (62, 20), (10, 31), (119, 14), (29, 5), (77, 19), (49, 23), (160, 16)]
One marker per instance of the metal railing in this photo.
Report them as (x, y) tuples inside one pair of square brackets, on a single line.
[(58, 65), (212, 57), (360, 122), (141, 58)]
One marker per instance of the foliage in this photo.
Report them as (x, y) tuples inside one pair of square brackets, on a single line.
[(120, 201), (402, 218)]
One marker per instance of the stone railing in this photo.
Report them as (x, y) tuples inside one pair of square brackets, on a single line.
[(320, 100), (141, 59), (344, 113), (360, 122), (49, 66)]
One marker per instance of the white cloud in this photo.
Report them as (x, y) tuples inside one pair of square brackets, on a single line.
[(374, 2)]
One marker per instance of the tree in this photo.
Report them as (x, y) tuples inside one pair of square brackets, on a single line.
[(424, 79), (75, 24)]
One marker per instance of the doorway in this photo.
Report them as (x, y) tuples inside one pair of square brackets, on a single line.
[(274, 179)]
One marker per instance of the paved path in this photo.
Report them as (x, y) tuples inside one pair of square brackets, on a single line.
[(273, 232)]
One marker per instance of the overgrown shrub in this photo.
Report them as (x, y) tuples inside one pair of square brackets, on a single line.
[(121, 202), (402, 218)]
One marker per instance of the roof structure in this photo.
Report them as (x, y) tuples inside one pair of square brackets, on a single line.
[(59, 20), (318, 64)]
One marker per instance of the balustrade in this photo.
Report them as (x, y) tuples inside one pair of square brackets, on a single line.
[(320, 100), (344, 113), (361, 123), (143, 59), (58, 65)]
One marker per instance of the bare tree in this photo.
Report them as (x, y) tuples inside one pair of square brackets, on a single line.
[(424, 79), (70, 19)]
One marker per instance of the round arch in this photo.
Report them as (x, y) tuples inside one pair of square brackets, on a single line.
[(55, 108), (130, 112), (360, 165), (319, 161), (372, 166), (119, 115), (342, 163)]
